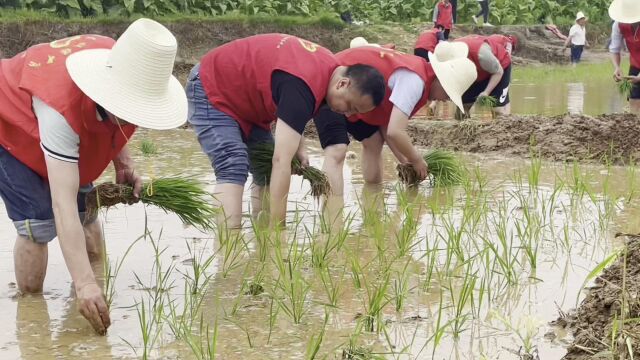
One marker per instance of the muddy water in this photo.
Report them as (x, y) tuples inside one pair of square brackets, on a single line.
[(577, 234)]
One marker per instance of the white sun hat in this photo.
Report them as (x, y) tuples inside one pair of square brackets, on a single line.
[(447, 50), (359, 42), (625, 11), (581, 15), (456, 75), (134, 80)]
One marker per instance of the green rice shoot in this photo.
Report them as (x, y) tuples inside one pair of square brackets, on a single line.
[(624, 87), (487, 101), (443, 166), (184, 197), (148, 148), (261, 155)]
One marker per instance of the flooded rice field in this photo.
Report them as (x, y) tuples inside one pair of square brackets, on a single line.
[(473, 272)]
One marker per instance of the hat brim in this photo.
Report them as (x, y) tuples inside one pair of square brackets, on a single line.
[(444, 73), (620, 14), (89, 71)]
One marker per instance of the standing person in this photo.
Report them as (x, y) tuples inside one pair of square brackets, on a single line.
[(493, 63), (239, 89), (443, 17), (626, 14), (454, 5), (411, 82), (577, 38), (67, 110), (484, 12)]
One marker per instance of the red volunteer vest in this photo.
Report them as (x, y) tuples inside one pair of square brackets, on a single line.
[(427, 40), (632, 38), (40, 71), (475, 42), (445, 15), (237, 76), (386, 61)]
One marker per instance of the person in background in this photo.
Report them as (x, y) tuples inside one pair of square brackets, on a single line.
[(443, 17), (67, 110), (626, 28), (427, 42), (484, 12), (577, 38), (454, 5), (241, 88), (493, 63)]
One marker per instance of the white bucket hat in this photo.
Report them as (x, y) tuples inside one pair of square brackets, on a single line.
[(133, 80), (580, 15), (359, 42), (447, 50), (625, 11), (455, 75)]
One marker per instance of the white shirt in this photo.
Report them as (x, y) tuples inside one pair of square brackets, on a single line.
[(406, 90), (578, 34)]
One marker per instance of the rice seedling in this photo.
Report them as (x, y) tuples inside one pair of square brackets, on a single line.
[(199, 277), (291, 286), (232, 246), (598, 269), (461, 301), (313, 346), (261, 155), (111, 272), (487, 102), (148, 148), (624, 87), (444, 170), (526, 329), (400, 288), (184, 197), (333, 288), (148, 329), (631, 180), (534, 170), (376, 300), (203, 345)]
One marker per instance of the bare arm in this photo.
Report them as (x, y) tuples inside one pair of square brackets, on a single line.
[(617, 72), (64, 182), (287, 142), (490, 63), (398, 138)]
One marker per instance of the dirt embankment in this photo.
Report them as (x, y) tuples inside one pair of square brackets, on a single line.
[(605, 138), (195, 37), (592, 324)]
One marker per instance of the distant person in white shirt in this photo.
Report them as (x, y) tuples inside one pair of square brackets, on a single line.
[(577, 38)]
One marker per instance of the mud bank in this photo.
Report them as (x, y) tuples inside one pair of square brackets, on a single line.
[(592, 324), (196, 37), (606, 138)]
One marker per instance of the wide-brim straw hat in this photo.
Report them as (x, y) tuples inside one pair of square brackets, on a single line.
[(447, 50), (134, 80), (360, 41), (625, 11), (456, 74), (580, 15)]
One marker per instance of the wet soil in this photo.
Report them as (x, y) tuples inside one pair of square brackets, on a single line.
[(608, 138), (592, 324)]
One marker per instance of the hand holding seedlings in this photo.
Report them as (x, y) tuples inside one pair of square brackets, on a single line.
[(92, 305)]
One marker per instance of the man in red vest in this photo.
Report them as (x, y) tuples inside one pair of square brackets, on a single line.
[(493, 63), (239, 89), (67, 110), (411, 82), (626, 14)]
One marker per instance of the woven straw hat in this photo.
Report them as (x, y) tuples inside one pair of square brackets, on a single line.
[(625, 11), (134, 80), (454, 70)]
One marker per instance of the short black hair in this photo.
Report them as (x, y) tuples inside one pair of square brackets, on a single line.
[(368, 80)]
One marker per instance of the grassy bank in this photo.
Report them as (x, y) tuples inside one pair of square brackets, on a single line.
[(565, 73)]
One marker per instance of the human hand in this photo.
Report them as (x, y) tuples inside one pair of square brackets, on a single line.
[(92, 305), (303, 157), (617, 74), (420, 167), (129, 176), (635, 79)]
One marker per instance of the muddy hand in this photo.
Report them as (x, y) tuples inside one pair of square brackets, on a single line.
[(303, 157), (92, 305), (421, 169), (130, 177)]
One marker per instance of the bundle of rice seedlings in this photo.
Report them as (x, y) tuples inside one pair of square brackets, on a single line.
[(625, 87), (184, 197), (487, 101), (261, 155), (444, 170)]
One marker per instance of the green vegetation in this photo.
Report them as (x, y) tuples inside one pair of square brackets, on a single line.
[(502, 11)]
